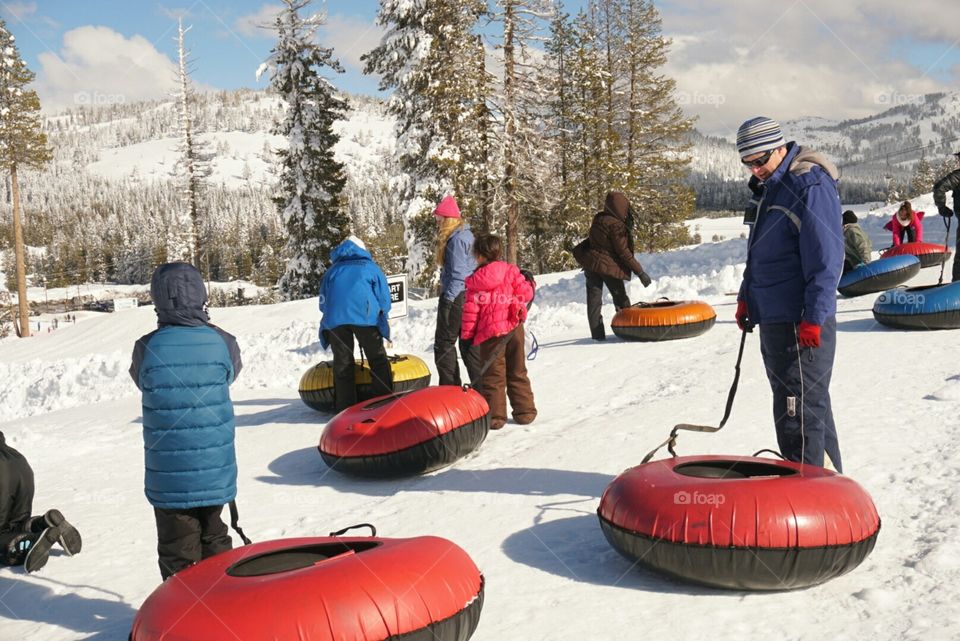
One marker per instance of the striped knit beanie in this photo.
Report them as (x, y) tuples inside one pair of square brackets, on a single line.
[(758, 135)]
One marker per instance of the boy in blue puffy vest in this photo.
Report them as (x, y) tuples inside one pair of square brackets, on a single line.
[(184, 370)]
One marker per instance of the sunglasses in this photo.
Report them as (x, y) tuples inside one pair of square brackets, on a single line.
[(758, 162)]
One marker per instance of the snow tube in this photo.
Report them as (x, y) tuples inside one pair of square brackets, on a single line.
[(407, 433), (663, 320), (926, 307), (879, 275), (320, 589), (316, 384), (740, 522), (930, 254)]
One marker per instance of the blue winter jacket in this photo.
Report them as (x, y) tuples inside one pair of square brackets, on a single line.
[(353, 292), (458, 263), (795, 252), (184, 370)]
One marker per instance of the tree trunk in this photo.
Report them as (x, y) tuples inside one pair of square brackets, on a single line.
[(18, 251), (510, 134)]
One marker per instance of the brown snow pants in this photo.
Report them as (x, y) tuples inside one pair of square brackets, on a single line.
[(506, 375)]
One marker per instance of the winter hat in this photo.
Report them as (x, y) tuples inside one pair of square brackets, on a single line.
[(849, 217), (447, 208), (356, 241), (758, 135)]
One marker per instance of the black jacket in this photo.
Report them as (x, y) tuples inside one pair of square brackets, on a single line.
[(950, 182), (16, 488), (608, 250)]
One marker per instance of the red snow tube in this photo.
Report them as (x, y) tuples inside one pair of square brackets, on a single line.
[(407, 433), (320, 589), (740, 522), (930, 254)]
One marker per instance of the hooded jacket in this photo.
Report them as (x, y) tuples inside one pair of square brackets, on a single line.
[(184, 370), (495, 303), (608, 250), (896, 227), (353, 292), (796, 247), (458, 263)]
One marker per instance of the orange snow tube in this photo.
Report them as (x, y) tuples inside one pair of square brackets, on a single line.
[(663, 320)]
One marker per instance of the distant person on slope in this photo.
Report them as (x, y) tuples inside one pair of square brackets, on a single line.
[(24, 539), (906, 225), (950, 182), (184, 369), (355, 303), (456, 261), (794, 259), (857, 248), (607, 259)]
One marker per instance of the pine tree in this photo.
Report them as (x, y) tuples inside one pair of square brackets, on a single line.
[(22, 144), (194, 168), (655, 153), (521, 108), (311, 180), (923, 178), (425, 58)]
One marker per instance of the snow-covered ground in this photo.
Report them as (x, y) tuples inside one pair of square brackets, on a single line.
[(523, 506)]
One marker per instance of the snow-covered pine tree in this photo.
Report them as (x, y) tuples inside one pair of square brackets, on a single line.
[(548, 227), (655, 144), (923, 178), (193, 168), (521, 109), (311, 180), (22, 144), (421, 57)]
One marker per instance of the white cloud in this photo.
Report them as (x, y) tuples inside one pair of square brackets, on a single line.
[(350, 37), (19, 11), (258, 24), (733, 59), (97, 65)]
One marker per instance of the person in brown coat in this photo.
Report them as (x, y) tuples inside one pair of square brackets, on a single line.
[(607, 259)]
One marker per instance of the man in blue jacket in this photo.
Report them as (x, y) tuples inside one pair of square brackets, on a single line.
[(794, 261), (184, 370), (355, 303)]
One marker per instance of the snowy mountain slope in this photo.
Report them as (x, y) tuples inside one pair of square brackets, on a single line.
[(523, 506)]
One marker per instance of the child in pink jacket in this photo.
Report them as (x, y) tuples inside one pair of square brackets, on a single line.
[(906, 225), (494, 309)]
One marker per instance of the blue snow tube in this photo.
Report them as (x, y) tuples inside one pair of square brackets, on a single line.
[(928, 307), (879, 275)]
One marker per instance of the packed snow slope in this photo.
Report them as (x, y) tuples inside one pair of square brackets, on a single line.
[(523, 506)]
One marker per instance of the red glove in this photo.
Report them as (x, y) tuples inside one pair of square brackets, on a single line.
[(743, 322), (808, 334)]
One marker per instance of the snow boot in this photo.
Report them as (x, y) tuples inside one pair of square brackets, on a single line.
[(69, 538), (36, 546)]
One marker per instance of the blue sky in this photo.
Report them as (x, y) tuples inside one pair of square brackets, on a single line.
[(731, 58)]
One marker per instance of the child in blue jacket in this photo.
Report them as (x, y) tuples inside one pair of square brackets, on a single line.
[(355, 303), (184, 370)]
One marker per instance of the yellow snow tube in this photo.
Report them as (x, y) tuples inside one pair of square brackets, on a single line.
[(316, 384)]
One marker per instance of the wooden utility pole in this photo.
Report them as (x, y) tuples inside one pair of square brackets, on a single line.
[(22, 302)]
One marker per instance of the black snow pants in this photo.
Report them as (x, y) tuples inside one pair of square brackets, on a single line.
[(16, 500), (800, 380), (618, 292), (449, 318), (344, 380), (187, 536)]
